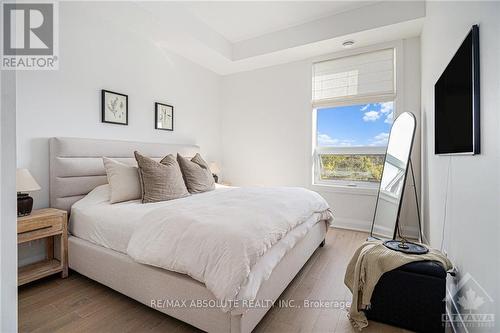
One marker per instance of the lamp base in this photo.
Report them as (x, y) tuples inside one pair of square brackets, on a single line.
[(406, 247), (24, 204)]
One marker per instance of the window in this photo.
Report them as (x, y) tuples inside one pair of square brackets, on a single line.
[(353, 99)]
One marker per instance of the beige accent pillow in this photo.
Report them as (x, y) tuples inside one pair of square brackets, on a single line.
[(197, 174), (160, 181), (123, 181)]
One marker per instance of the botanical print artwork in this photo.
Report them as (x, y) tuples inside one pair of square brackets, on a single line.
[(164, 118), (115, 108)]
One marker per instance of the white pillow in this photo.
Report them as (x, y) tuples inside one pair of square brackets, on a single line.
[(123, 179)]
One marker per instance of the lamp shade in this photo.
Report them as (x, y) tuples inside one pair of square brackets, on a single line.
[(214, 167), (25, 181)]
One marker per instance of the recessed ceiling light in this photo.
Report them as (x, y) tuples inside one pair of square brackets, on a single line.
[(348, 44)]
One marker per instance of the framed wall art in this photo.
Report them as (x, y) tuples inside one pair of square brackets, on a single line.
[(164, 117), (114, 107)]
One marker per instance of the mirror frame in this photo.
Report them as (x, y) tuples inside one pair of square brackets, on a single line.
[(396, 226)]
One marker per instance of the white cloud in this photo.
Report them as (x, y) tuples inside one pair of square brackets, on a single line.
[(365, 107), (380, 139), (387, 109), (382, 136), (346, 143), (326, 140), (371, 116), (389, 118)]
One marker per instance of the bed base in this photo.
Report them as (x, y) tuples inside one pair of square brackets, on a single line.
[(152, 286)]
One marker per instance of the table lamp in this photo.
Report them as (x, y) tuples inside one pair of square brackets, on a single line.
[(214, 168), (25, 183)]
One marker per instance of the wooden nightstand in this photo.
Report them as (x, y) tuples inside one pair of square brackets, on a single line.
[(51, 224)]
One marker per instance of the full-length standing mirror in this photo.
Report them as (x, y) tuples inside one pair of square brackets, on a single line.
[(392, 183)]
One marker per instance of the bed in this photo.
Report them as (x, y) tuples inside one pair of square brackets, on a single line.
[(97, 247)]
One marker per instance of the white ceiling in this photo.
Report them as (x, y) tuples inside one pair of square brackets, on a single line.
[(232, 37), (240, 20)]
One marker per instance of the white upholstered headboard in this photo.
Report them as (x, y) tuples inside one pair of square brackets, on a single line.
[(76, 166)]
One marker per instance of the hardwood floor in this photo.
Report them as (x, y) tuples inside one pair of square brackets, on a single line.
[(78, 304)]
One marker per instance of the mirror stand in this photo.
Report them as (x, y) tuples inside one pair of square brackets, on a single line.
[(397, 232), (403, 245), (392, 186)]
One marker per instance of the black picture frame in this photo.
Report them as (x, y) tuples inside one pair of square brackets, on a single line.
[(103, 107), (157, 105)]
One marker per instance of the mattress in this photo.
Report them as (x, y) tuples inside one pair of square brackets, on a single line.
[(94, 219)]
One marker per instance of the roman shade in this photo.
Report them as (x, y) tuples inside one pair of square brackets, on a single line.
[(365, 77)]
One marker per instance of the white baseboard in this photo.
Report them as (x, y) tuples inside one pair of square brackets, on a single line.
[(365, 226), (360, 225), (352, 224)]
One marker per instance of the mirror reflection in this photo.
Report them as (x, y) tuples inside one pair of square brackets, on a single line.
[(393, 176)]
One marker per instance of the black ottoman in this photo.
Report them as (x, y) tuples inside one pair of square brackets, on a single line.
[(411, 297)]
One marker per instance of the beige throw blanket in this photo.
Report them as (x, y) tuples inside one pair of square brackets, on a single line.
[(368, 264)]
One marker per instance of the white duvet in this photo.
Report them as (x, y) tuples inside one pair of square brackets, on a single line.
[(217, 239)]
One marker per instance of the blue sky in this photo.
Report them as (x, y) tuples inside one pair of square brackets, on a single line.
[(355, 125)]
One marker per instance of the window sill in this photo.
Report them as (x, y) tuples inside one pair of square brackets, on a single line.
[(344, 189)]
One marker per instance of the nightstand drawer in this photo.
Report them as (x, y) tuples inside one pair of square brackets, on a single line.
[(40, 231), (38, 224), (41, 223)]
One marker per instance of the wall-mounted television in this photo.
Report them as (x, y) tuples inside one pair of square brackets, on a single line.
[(456, 104)]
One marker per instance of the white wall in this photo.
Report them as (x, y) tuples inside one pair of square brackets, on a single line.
[(266, 125), (472, 219), (97, 54), (8, 224), (267, 131)]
